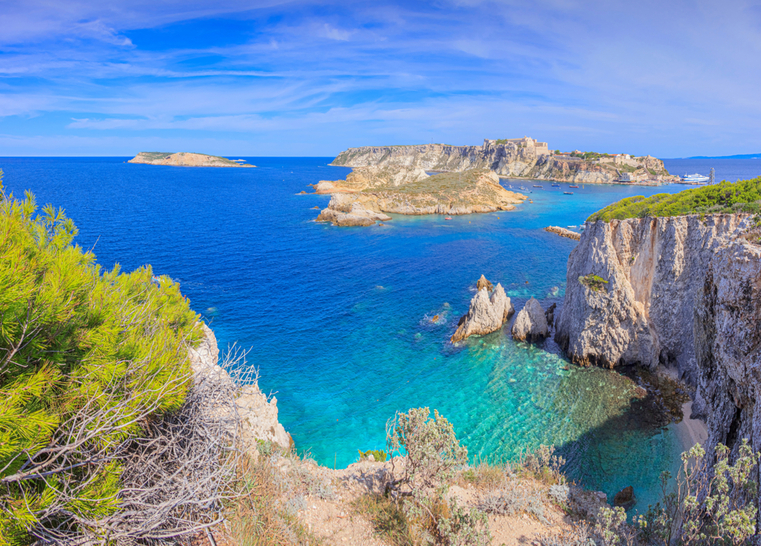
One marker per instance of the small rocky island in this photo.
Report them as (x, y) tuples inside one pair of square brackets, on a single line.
[(368, 193), (515, 158), (185, 159)]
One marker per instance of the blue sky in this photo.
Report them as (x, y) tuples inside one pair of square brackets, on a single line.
[(250, 78)]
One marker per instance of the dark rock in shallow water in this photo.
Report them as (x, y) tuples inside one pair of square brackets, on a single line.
[(625, 498), (550, 314)]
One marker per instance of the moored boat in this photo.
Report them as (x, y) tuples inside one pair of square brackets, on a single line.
[(568, 192), (538, 186), (573, 186), (448, 218), (695, 178), (556, 185)]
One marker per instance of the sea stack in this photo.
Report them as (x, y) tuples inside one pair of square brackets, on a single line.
[(485, 315), (531, 323)]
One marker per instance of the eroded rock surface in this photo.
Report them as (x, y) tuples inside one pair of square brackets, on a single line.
[(485, 314), (524, 158), (447, 193), (530, 323), (258, 413)]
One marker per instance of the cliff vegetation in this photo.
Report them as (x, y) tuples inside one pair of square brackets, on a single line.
[(88, 360), (726, 197)]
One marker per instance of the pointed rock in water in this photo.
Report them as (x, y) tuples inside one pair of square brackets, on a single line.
[(483, 282), (530, 324), (485, 314)]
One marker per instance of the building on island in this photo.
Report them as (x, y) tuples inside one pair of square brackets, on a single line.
[(540, 148)]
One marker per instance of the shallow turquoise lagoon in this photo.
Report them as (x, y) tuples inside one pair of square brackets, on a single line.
[(338, 321)]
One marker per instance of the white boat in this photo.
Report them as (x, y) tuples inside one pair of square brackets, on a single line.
[(695, 178)]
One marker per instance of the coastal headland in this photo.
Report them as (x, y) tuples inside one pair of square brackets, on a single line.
[(369, 193), (514, 158), (185, 159)]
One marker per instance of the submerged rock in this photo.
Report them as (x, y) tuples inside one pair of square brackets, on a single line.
[(485, 315), (530, 324), (625, 498)]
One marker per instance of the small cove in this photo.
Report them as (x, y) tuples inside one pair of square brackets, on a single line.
[(338, 321)]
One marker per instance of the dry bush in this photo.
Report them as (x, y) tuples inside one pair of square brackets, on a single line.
[(511, 499)]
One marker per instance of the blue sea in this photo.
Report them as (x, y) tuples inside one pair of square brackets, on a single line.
[(338, 321)]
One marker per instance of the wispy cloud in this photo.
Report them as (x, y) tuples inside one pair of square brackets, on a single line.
[(304, 77)]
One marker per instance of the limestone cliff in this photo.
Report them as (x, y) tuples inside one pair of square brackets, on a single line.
[(446, 193), (682, 292), (511, 159), (258, 413), (185, 159)]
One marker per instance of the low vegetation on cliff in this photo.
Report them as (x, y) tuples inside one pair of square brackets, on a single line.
[(726, 197)]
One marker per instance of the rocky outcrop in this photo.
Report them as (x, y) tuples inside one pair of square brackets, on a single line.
[(367, 178), (563, 232), (530, 323), (508, 159), (447, 193), (345, 210), (682, 292), (257, 412), (485, 314), (483, 282), (185, 159)]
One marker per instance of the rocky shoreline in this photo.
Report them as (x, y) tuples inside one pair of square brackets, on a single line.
[(369, 194)]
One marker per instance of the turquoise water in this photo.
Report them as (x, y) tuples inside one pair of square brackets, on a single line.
[(338, 320)]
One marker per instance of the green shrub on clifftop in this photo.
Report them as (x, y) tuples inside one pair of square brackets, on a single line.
[(726, 197), (87, 358)]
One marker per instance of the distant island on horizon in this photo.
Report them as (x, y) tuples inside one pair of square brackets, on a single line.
[(736, 156)]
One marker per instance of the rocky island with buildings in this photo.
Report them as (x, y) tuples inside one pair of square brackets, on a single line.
[(514, 158), (186, 159)]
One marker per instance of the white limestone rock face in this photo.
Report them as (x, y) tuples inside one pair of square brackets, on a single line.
[(258, 413), (645, 312), (485, 314), (684, 293), (531, 323)]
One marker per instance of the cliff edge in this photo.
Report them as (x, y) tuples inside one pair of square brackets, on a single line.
[(681, 292)]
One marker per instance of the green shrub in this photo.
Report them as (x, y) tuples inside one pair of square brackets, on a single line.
[(379, 455), (593, 282), (432, 455), (87, 359), (726, 197), (711, 505)]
